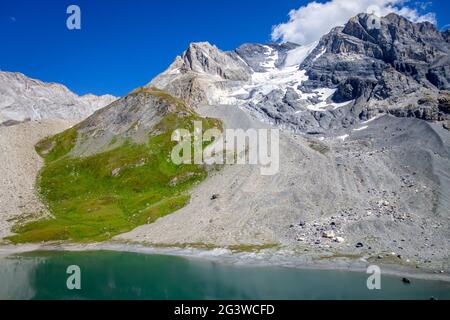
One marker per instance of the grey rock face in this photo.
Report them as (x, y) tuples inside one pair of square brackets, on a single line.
[(202, 57), (289, 112), (427, 108), (255, 55), (395, 60), (200, 71)]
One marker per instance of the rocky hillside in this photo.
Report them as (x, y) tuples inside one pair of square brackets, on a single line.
[(24, 99)]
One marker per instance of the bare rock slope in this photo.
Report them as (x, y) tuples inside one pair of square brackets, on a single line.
[(386, 186)]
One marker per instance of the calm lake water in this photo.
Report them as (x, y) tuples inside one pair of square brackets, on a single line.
[(121, 275)]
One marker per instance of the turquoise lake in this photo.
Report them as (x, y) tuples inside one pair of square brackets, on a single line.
[(122, 275)]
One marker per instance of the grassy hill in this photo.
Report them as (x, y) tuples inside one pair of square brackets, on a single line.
[(95, 197)]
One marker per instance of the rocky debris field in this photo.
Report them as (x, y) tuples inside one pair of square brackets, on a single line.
[(370, 194), (20, 165)]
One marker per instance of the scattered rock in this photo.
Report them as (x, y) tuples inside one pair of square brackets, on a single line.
[(339, 240), (215, 196), (329, 234), (406, 280), (115, 172), (383, 203)]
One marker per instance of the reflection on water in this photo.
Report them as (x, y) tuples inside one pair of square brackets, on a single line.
[(16, 277), (121, 275)]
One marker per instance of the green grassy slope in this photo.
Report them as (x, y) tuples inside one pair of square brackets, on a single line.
[(94, 198)]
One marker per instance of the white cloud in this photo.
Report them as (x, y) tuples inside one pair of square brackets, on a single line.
[(310, 22)]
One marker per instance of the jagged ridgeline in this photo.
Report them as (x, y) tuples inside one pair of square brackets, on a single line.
[(113, 171)]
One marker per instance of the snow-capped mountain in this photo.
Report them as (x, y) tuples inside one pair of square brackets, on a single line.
[(23, 98), (352, 74)]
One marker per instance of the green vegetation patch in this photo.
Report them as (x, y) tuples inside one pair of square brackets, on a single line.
[(97, 197), (55, 147)]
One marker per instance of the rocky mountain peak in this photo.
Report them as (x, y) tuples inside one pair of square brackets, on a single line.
[(369, 65), (23, 98), (202, 57), (200, 70), (389, 38), (381, 60)]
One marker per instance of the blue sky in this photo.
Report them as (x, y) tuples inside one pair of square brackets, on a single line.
[(124, 44)]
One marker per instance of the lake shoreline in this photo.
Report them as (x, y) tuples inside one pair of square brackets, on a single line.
[(266, 257)]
